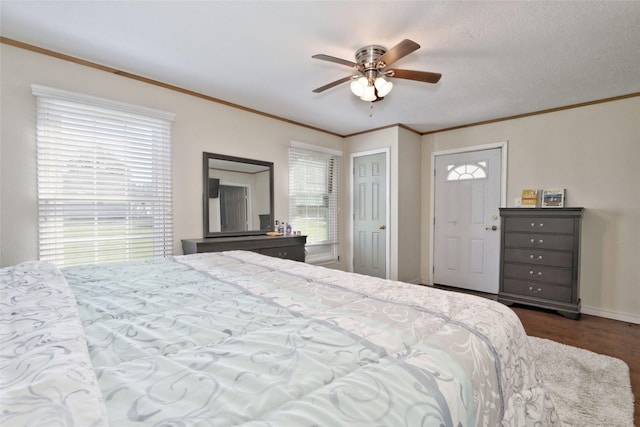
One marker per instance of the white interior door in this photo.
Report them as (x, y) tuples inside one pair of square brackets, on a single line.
[(467, 218), (370, 214)]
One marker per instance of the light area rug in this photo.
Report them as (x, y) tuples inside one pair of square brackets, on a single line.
[(588, 389)]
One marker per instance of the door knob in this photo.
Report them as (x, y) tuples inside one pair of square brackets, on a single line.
[(383, 227), (492, 228)]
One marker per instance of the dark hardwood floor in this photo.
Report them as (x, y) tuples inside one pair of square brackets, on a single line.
[(597, 334)]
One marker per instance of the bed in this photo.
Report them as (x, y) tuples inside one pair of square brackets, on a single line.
[(239, 338)]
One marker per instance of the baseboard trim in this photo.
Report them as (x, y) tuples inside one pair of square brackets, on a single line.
[(630, 318)]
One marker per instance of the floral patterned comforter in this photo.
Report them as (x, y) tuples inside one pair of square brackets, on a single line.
[(238, 338)]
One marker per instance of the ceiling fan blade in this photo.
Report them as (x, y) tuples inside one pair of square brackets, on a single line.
[(332, 84), (402, 49), (334, 59), (421, 76)]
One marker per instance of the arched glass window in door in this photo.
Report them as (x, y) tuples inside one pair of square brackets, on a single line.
[(476, 170)]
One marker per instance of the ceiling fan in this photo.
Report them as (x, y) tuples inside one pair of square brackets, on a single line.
[(372, 66)]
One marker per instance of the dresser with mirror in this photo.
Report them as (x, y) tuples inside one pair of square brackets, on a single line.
[(237, 209)]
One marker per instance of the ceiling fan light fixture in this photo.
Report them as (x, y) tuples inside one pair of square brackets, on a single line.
[(372, 64), (369, 94), (383, 87), (359, 85)]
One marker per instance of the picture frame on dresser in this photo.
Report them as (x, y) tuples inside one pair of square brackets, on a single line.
[(530, 198), (553, 198), (540, 258)]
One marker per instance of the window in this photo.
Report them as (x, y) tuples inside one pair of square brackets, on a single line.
[(104, 179), (313, 198), (467, 171)]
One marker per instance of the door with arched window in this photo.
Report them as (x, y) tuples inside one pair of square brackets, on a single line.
[(466, 218)]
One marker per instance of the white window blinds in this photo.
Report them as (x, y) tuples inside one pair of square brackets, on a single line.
[(313, 198), (104, 179)]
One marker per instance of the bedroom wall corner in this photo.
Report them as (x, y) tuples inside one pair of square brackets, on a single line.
[(404, 196), (593, 152), (380, 139), (410, 193), (425, 210)]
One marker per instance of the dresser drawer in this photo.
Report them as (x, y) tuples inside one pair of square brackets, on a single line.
[(561, 276), (295, 253), (539, 257), (538, 290), (533, 240), (540, 225)]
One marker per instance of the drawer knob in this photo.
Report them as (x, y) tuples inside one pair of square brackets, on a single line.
[(539, 242), (533, 224), (538, 258), (535, 291), (531, 273)]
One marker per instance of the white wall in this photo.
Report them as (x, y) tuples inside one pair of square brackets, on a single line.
[(593, 152), (200, 125)]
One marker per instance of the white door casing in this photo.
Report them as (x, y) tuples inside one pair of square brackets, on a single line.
[(369, 206), (466, 238)]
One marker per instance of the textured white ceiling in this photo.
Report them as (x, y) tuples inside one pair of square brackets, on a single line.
[(498, 59)]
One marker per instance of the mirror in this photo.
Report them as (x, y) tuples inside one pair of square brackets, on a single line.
[(237, 196)]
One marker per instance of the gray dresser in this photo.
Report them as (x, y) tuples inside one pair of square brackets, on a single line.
[(540, 258), (289, 247)]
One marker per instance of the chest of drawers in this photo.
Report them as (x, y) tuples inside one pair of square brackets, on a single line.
[(540, 258), (289, 247)]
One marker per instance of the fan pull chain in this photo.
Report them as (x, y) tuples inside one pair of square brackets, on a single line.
[(371, 109)]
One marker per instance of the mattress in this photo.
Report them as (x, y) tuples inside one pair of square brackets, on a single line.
[(239, 338)]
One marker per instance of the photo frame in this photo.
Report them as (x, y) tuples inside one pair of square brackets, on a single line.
[(530, 198), (553, 198)]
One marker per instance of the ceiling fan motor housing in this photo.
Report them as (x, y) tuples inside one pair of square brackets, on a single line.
[(367, 59)]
